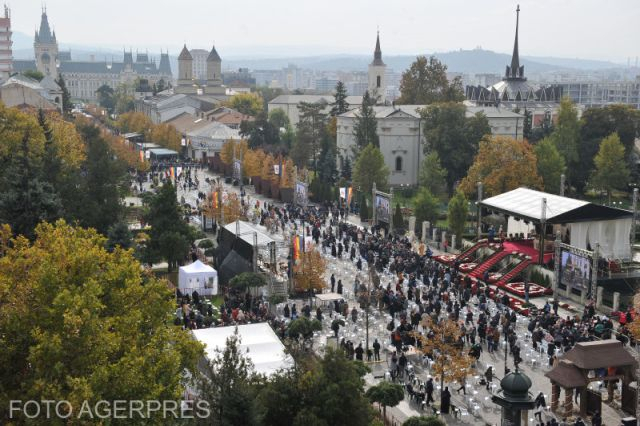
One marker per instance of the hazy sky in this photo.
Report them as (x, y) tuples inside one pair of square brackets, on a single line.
[(590, 29)]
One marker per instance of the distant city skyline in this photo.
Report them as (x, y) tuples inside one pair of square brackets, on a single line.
[(586, 29)]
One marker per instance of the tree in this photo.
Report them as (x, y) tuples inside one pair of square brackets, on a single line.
[(327, 168), (171, 236), (551, 165), (398, 219), (370, 168), (365, 127), (365, 210), (340, 104), (312, 129), (424, 421), (452, 363), (261, 132), (301, 331), (432, 175), (233, 149), (106, 97), (33, 74), (104, 334), (247, 103), (137, 122), (26, 199), (611, 170), (566, 135), (309, 271), (166, 136), (119, 235), (279, 119), (346, 168), (425, 82), (387, 395), (96, 203), (426, 206), (247, 280), (454, 137), (229, 385), (66, 96), (287, 179), (502, 164), (457, 212), (252, 162), (123, 98)]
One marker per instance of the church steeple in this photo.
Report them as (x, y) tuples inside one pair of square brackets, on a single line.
[(515, 71), (377, 54)]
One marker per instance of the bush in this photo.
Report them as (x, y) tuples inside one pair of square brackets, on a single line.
[(205, 244), (210, 252)]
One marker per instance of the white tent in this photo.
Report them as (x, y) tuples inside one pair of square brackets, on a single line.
[(258, 341), (198, 277)]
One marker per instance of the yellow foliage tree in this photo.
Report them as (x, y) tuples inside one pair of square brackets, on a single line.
[(233, 209), (231, 148), (309, 270), (267, 168), (246, 103), (14, 124), (452, 364), (134, 122), (166, 135), (252, 163), (288, 177), (502, 164), (68, 141)]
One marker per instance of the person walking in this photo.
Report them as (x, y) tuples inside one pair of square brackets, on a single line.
[(429, 390)]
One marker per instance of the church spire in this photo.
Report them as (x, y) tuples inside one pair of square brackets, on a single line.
[(515, 71), (377, 54)]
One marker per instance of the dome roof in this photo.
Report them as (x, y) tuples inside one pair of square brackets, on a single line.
[(516, 385)]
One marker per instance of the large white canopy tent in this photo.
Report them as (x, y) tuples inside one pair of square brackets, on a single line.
[(198, 277), (257, 341), (587, 223)]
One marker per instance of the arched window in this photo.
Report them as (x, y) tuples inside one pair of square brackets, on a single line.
[(378, 82), (398, 164)]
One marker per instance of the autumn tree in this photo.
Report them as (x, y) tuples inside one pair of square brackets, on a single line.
[(502, 164), (309, 270), (370, 168), (253, 160), (611, 171), (247, 103), (136, 122), (432, 175), (105, 333), (166, 135), (551, 165), (451, 363), (234, 149), (457, 212), (566, 135), (387, 395), (288, 177), (425, 82), (266, 172), (454, 136)]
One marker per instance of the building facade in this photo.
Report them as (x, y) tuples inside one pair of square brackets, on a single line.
[(601, 93), (83, 78), (199, 63), (6, 55)]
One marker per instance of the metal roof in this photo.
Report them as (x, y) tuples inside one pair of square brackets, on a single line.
[(527, 203)]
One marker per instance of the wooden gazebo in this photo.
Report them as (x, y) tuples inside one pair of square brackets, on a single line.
[(580, 366)]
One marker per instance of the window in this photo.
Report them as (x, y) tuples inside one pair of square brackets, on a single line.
[(378, 82), (398, 164)]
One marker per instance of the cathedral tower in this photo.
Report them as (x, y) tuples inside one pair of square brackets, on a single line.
[(46, 48), (377, 81)]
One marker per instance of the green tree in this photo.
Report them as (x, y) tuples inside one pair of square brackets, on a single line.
[(365, 209), (51, 162), (228, 384), (386, 394), (119, 235), (26, 199), (346, 168), (171, 236), (398, 219), (247, 103), (426, 206), (312, 129), (457, 212), (365, 127), (278, 119), (261, 132), (33, 74), (327, 168), (424, 421), (247, 280), (66, 96), (370, 168), (611, 170), (432, 175), (566, 135), (551, 165), (454, 137), (98, 185), (425, 82), (123, 98), (106, 97), (301, 331), (340, 104), (101, 330)]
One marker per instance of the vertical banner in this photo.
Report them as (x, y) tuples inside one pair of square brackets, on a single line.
[(349, 195), (343, 194), (214, 199), (296, 247), (383, 208), (141, 156), (237, 169), (301, 195), (276, 169)]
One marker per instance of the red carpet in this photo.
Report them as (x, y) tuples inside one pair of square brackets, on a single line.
[(526, 247)]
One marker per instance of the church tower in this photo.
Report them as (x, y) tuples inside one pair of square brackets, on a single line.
[(46, 48), (377, 81), (185, 72), (214, 69)]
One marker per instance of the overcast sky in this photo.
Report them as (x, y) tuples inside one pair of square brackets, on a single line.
[(589, 29)]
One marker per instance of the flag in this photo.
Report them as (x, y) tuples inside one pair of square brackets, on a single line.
[(349, 194), (297, 247), (179, 171), (141, 156), (214, 199), (276, 169), (343, 193), (172, 172)]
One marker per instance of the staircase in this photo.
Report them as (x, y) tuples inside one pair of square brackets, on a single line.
[(472, 249), (492, 260), (513, 273)]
